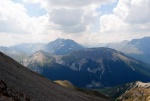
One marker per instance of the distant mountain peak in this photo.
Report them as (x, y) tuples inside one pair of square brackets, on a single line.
[(62, 40), (38, 57), (62, 46), (40, 52)]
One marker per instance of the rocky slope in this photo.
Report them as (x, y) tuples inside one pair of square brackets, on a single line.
[(120, 91), (138, 91), (93, 67), (18, 83)]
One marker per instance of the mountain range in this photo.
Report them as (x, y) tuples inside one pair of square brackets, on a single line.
[(58, 46), (71, 65), (18, 83), (137, 48), (92, 67)]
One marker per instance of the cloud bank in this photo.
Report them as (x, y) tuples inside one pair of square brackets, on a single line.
[(81, 21)]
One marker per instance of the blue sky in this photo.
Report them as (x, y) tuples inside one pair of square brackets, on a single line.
[(89, 22), (107, 8), (33, 10)]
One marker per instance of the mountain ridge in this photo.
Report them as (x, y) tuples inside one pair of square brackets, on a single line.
[(97, 66), (137, 48)]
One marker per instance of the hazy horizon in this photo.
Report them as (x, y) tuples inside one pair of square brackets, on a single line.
[(86, 45)]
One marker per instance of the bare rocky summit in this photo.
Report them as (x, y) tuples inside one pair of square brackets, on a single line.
[(18, 83)]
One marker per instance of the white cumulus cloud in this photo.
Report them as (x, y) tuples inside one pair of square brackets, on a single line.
[(72, 16), (133, 11), (80, 20), (130, 19)]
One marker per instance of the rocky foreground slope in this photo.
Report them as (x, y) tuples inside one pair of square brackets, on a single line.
[(138, 91), (134, 91), (18, 83)]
